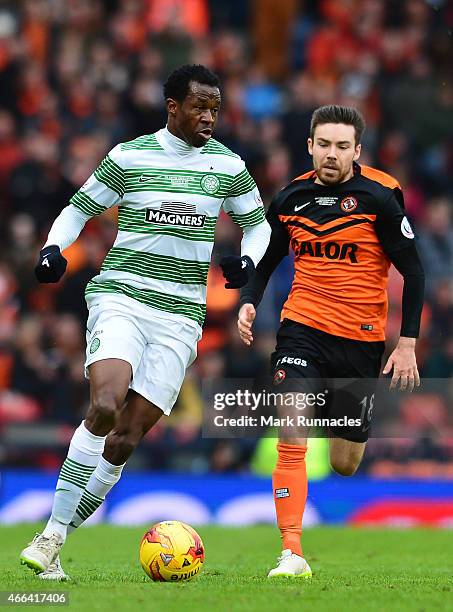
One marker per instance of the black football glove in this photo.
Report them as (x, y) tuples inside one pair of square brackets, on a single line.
[(236, 270), (51, 265)]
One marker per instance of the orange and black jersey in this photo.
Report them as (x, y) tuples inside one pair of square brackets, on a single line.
[(344, 238)]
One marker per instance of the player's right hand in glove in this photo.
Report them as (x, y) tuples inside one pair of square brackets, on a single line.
[(51, 265), (236, 270)]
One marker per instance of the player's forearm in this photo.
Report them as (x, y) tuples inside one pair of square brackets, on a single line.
[(253, 292), (412, 305), (409, 266), (255, 240), (66, 227)]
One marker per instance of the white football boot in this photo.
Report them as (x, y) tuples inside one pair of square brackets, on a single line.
[(54, 571), (41, 552), (290, 565)]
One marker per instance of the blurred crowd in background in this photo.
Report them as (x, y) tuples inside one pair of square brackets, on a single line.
[(79, 76)]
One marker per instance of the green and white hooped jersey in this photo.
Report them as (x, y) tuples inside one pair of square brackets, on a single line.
[(169, 197)]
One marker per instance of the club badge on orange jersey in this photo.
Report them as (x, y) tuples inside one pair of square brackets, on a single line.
[(348, 204)]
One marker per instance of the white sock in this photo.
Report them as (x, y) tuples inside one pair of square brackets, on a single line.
[(83, 456), (101, 481)]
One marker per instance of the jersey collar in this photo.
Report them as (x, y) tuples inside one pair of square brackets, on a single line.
[(173, 144)]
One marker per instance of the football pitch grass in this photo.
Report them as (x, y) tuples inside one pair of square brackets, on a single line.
[(365, 569)]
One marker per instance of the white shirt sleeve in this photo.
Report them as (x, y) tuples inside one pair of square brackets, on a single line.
[(67, 226), (245, 207), (103, 189), (255, 241)]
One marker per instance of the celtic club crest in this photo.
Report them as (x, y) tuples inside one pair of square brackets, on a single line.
[(210, 183)]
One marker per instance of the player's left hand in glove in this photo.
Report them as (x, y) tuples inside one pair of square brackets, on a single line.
[(51, 265), (236, 270)]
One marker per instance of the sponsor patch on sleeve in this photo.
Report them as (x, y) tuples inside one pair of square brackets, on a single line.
[(279, 493), (406, 228)]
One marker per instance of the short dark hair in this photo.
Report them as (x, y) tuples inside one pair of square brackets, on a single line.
[(338, 114), (177, 84)]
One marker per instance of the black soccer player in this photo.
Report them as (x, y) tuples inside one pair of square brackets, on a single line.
[(346, 225), (147, 304)]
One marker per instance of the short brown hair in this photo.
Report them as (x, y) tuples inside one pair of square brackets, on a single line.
[(338, 114)]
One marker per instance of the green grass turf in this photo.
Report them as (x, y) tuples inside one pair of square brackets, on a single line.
[(352, 568)]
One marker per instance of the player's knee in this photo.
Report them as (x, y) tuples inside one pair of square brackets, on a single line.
[(346, 466), (122, 444), (104, 406)]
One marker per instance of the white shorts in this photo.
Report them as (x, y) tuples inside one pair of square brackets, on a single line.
[(159, 349)]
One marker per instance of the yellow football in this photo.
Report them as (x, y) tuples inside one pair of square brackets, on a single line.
[(171, 551)]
